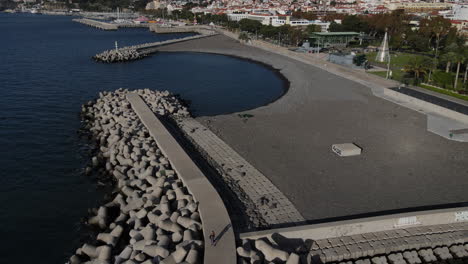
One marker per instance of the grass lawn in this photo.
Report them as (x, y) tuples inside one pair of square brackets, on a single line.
[(437, 90), (397, 60), (445, 91)]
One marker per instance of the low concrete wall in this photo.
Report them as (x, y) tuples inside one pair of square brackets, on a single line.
[(426, 106), (213, 213), (367, 225)]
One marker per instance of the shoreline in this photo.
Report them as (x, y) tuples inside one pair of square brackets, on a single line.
[(285, 83)]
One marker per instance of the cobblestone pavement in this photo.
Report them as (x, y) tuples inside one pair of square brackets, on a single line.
[(257, 192), (410, 245)]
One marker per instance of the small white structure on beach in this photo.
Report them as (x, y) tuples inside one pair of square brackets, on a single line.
[(346, 149)]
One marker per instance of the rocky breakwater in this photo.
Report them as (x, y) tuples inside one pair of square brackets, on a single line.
[(136, 52), (119, 55), (151, 218), (283, 250)]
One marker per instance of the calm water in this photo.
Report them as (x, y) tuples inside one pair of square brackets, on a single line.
[(45, 75)]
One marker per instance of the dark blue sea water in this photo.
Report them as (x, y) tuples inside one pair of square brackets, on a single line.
[(46, 73)]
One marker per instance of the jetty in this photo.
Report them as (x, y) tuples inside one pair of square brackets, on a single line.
[(97, 24), (136, 52), (204, 30)]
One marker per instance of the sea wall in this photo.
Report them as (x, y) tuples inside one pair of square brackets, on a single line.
[(96, 24), (152, 217)]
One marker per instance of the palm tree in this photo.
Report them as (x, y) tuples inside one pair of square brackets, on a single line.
[(465, 53), (418, 66), (461, 58), (450, 55), (244, 36)]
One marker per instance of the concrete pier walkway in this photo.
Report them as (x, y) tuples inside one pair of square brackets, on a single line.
[(213, 213), (97, 24)]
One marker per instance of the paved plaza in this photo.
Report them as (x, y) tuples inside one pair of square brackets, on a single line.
[(289, 141)]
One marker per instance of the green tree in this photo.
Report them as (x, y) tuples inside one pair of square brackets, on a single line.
[(462, 57), (269, 31), (417, 42), (436, 28), (355, 23), (249, 25), (359, 59), (418, 67), (313, 28), (244, 36), (335, 27), (449, 55)]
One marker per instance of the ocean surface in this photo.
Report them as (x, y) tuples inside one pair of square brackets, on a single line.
[(46, 73)]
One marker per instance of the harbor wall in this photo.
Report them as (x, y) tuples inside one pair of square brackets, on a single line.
[(97, 24)]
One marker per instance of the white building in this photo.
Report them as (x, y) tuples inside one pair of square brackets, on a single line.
[(323, 25), (458, 12)]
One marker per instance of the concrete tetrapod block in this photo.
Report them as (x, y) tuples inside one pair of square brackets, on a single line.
[(105, 253), (427, 255), (90, 251), (293, 259), (346, 149), (192, 256), (412, 257), (155, 250), (459, 251), (270, 252), (396, 258)]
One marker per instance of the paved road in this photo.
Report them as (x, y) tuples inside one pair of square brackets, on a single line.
[(402, 164)]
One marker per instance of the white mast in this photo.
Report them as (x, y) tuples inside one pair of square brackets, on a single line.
[(383, 54)]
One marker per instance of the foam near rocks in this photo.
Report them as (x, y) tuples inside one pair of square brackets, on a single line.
[(152, 218)]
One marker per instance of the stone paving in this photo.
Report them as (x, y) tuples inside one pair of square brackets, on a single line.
[(410, 245), (273, 206)]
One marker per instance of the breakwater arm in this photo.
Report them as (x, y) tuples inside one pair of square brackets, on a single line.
[(139, 51), (204, 30), (96, 24), (213, 213), (152, 216)]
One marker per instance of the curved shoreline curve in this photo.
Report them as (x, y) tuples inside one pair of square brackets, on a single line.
[(285, 83), (293, 134)]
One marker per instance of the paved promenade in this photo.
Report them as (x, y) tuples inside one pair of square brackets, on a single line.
[(258, 192), (410, 245), (289, 141), (212, 210)]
